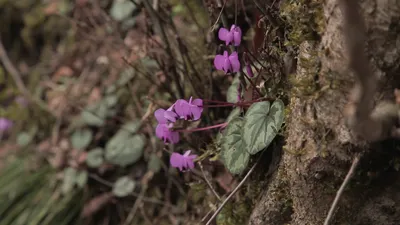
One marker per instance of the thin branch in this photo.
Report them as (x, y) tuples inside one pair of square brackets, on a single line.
[(341, 189), (208, 182), (156, 19), (234, 191)]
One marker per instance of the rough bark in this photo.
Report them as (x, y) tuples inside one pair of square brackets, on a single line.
[(320, 148)]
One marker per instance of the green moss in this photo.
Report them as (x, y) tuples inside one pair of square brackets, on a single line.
[(306, 84), (305, 20)]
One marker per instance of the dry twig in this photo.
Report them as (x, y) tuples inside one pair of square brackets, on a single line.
[(234, 191), (341, 189)]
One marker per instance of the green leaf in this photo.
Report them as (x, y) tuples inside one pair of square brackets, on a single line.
[(232, 93), (81, 178), (121, 9), (262, 124), (95, 158), (80, 139), (132, 126), (24, 138), (154, 163), (234, 114), (110, 100), (111, 89), (123, 186), (234, 154), (124, 149), (68, 180), (92, 119), (126, 76)]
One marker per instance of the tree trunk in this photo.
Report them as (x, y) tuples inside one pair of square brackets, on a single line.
[(319, 147)]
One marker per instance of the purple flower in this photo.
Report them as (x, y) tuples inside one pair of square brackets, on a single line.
[(165, 116), (5, 124), (183, 162), (189, 110), (227, 63), (165, 119), (249, 71), (163, 131), (234, 35)]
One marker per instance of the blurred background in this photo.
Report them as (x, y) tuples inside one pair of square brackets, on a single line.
[(79, 83)]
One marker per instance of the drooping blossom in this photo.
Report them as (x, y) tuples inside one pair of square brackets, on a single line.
[(165, 119), (189, 110), (5, 124), (249, 71), (233, 35), (227, 63), (183, 162), (165, 116), (164, 132)]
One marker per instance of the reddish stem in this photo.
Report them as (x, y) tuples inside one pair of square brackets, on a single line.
[(204, 128)]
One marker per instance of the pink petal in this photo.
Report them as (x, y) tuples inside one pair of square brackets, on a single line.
[(189, 164), (187, 153), (159, 114), (196, 112), (176, 160), (174, 137), (223, 34), (227, 65), (198, 102), (237, 36), (160, 130), (249, 71), (171, 116), (219, 61), (182, 108), (234, 60)]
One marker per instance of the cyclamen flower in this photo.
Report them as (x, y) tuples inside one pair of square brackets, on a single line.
[(165, 119), (165, 116), (5, 124), (183, 162), (249, 71), (227, 63), (189, 110), (234, 35), (163, 131)]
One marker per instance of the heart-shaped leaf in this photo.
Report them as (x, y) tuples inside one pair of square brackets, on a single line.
[(234, 154), (131, 126), (80, 139), (121, 9), (124, 149), (262, 124), (123, 186), (95, 158)]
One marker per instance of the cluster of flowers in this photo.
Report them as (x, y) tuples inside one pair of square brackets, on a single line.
[(191, 110), (225, 62), (187, 110)]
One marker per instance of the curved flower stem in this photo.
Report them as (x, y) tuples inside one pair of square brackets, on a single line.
[(204, 128)]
